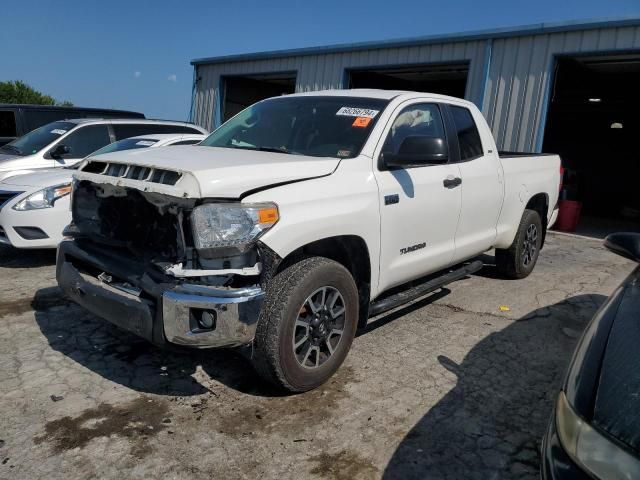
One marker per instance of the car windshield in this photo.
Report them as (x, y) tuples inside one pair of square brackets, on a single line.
[(318, 126), (126, 144), (37, 139)]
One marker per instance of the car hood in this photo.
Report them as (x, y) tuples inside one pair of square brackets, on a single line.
[(41, 178), (5, 157), (215, 172), (617, 400)]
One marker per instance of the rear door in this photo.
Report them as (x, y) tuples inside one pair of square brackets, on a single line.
[(482, 187), (419, 214)]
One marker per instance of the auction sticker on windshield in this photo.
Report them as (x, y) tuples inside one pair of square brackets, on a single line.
[(58, 131), (357, 112)]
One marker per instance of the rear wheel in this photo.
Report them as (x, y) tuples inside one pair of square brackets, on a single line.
[(518, 260), (306, 325)]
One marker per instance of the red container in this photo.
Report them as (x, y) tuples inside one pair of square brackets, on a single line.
[(568, 215)]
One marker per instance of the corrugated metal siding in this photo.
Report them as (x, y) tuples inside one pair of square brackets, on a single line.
[(327, 71), (513, 99), (517, 90)]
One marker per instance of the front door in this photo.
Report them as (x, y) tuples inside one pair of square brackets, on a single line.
[(419, 206)]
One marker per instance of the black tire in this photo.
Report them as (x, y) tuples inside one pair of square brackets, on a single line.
[(520, 258), (274, 356)]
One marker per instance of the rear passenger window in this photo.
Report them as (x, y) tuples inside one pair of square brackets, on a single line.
[(7, 124), (124, 130), (468, 136), (86, 140)]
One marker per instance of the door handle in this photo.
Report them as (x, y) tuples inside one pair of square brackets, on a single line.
[(452, 182)]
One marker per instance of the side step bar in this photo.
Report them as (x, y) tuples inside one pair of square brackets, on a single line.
[(393, 301)]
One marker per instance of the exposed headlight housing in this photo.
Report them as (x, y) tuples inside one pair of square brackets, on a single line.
[(590, 449), (45, 198), (229, 225)]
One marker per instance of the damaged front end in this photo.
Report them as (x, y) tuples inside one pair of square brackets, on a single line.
[(179, 270)]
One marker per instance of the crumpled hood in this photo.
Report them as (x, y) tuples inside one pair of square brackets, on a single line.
[(215, 172), (48, 177)]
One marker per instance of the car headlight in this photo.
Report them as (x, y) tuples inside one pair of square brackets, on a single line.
[(45, 198), (219, 225), (590, 449)]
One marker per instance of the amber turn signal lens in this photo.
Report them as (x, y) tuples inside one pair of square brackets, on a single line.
[(268, 215)]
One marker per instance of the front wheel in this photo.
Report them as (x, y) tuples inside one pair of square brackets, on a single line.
[(518, 260), (307, 323)]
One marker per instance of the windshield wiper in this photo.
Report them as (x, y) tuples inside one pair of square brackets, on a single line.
[(263, 149), (11, 148)]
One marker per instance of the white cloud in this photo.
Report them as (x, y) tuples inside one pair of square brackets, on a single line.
[(137, 74), (172, 78)]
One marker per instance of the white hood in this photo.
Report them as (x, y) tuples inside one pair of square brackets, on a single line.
[(215, 172), (49, 177)]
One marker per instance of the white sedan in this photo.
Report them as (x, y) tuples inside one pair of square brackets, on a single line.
[(34, 207)]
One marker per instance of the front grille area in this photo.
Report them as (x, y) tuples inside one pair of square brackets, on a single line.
[(6, 196), (149, 225), (134, 172)]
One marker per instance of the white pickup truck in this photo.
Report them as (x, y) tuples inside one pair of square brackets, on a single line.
[(299, 219)]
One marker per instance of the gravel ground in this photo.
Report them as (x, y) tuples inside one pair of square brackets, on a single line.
[(448, 387)]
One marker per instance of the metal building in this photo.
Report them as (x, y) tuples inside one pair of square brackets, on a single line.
[(571, 88)]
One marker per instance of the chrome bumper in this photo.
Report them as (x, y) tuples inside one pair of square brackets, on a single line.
[(159, 314), (236, 314)]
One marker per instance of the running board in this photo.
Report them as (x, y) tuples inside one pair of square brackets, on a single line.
[(389, 303)]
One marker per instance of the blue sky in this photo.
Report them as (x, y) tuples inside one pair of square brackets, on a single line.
[(135, 54)]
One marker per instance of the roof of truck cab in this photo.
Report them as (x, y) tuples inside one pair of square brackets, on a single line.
[(374, 93)]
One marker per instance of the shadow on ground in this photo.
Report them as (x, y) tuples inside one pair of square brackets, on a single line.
[(14, 258), (126, 359), (489, 426), (130, 361)]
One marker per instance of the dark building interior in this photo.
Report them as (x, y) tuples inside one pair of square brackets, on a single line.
[(593, 123), (241, 91)]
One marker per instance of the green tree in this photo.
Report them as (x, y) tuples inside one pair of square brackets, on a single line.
[(20, 92)]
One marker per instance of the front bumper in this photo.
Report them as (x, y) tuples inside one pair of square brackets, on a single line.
[(48, 222), (162, 313)]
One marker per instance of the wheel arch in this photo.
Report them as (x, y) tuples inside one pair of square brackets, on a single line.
[(351, 252), (540, 203)]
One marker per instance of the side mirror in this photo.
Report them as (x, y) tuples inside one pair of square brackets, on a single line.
[(60, 151), (624, 244), (418, 150)]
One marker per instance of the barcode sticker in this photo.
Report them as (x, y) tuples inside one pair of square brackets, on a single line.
[(357, 112)]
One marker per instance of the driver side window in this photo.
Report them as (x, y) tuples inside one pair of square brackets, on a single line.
[(422, 119)]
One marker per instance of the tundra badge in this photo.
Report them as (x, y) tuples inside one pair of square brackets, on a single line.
[(412, 248)]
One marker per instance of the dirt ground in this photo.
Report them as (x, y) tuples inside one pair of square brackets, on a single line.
[(448, 387)]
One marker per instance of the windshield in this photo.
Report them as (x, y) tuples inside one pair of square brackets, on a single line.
[(126, 144), (37, 139), (316, 126)]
